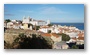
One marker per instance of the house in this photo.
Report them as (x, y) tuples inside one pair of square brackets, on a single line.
[(55, 30), (45, 29), (80, 41), (53, 36), (27, 26), (72, 34), (17, 25), (14, 24), (81, 34), (72, 40), (10, 25)]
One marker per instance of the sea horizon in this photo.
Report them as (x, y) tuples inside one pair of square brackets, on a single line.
[(77, 25)]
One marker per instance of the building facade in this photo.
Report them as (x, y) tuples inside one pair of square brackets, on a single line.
[(34, 22)]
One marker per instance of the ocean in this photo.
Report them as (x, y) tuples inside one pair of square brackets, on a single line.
[(77, 25)]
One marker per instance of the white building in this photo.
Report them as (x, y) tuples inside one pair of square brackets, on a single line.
[(34, 22), (14, 24), (13, 20), (53, 29), (45, 29), (10, 25), (17, 25), (72, 34)]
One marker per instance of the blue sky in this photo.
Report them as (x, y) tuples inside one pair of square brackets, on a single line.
[(68, 13)]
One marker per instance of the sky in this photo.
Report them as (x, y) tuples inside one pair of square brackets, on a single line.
[(63, 13)]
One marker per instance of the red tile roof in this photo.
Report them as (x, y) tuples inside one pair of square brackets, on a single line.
[(46, 34), (74, 38), (55, 35), (80, 38), (45, 27), (50, 34), (81, 34)]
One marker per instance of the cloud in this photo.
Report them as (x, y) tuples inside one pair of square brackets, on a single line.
[(51, 10)]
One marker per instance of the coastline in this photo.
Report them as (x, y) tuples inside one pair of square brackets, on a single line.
[(80, 26)]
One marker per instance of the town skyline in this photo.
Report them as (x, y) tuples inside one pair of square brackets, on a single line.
[(63, 13)]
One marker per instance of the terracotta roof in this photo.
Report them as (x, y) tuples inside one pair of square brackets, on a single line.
[(81, 34), (74, 38), (50, 34), (55, 35), (80, 38), (46, 34), (45, 27)]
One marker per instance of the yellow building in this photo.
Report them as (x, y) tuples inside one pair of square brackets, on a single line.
[(25, 26)]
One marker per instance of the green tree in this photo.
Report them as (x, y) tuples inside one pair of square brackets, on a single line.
[(8, 20), (50, 24), (37, 27), (74, 47), (65, 37)]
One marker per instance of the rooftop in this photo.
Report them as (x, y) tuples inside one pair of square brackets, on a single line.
[(50, 34)]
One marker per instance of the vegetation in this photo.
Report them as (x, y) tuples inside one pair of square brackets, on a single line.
[(8, 20), (74, 47), (36, 27), (81, 46), (49, 40), (65, 37), (7, 45), (50, 24), (30, 42)]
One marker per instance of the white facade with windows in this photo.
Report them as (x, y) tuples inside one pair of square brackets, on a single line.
[(34, 22)]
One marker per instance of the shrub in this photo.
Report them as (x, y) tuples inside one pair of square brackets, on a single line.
[(74, 47), (36, 42), (65, 37)]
